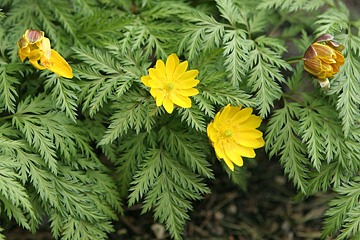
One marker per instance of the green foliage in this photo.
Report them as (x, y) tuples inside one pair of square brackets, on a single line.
[(55, 130)]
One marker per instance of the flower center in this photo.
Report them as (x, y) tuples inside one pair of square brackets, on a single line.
[(169, 86), (228, 133)]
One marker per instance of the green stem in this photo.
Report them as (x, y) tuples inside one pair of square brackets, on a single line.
[(293, 59), (294, 99)]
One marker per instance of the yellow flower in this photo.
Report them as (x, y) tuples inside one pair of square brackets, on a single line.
[(171, 84), (323, 60), (36, 47), (234, 135)]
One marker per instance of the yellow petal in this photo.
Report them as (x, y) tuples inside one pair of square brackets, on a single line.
[(36, 65), (250, 133), (233, 111), (24, 53), (327, 69), (216, 121), (249, 142), (313, 66), (325, 53), (145, 80), (157, 77), (33, 36), (235, 158), (171, 63), (160, 66), (224, 113), (160, 98), (189, 92), (243, 115), (212, 133), (168, 105), (243, 151), (58, 65), (335, 68), (252, 122), (189, 83), (228, 162), (189, 74), (340, 60), (35, 55), (155, 92), (219, 150), (181, 101), (180, 69), (45, 46)]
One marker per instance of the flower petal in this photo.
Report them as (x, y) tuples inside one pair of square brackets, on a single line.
[(35, 55), (24, 53), (160, 98), (171, 63), (181, 101), (250, 133), (228, 162), (145, 80), (212, 133), (235, 158), (340, 60), (180, 69), (36, 65), (219, 151), (33, 36), (189, 83), (191, 74), (22, 43), (188, 92), (224, 113), (157, 77), (242, 115), (325, 53), (313, 66), (168, 105), (248, 142), (155, 91), (45, 46), (160, 65), (244, 151), (58, 65), (252, 122)]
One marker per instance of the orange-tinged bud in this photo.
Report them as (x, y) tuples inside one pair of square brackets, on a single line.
[(323, 59)]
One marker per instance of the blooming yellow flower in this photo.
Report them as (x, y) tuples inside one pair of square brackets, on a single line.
[(36, 47), (171, 84), (323, 59), (234, 135)]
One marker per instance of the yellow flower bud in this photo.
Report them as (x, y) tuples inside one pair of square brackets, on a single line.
[(323, 59)]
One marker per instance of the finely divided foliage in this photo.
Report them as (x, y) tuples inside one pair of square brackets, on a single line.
[(53, 129)]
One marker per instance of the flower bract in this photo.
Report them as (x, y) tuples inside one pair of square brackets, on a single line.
[(171, 84), (233, 134), (36, 47), (323, 59)]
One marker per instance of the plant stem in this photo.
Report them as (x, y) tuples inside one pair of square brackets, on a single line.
[(293, 59)]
